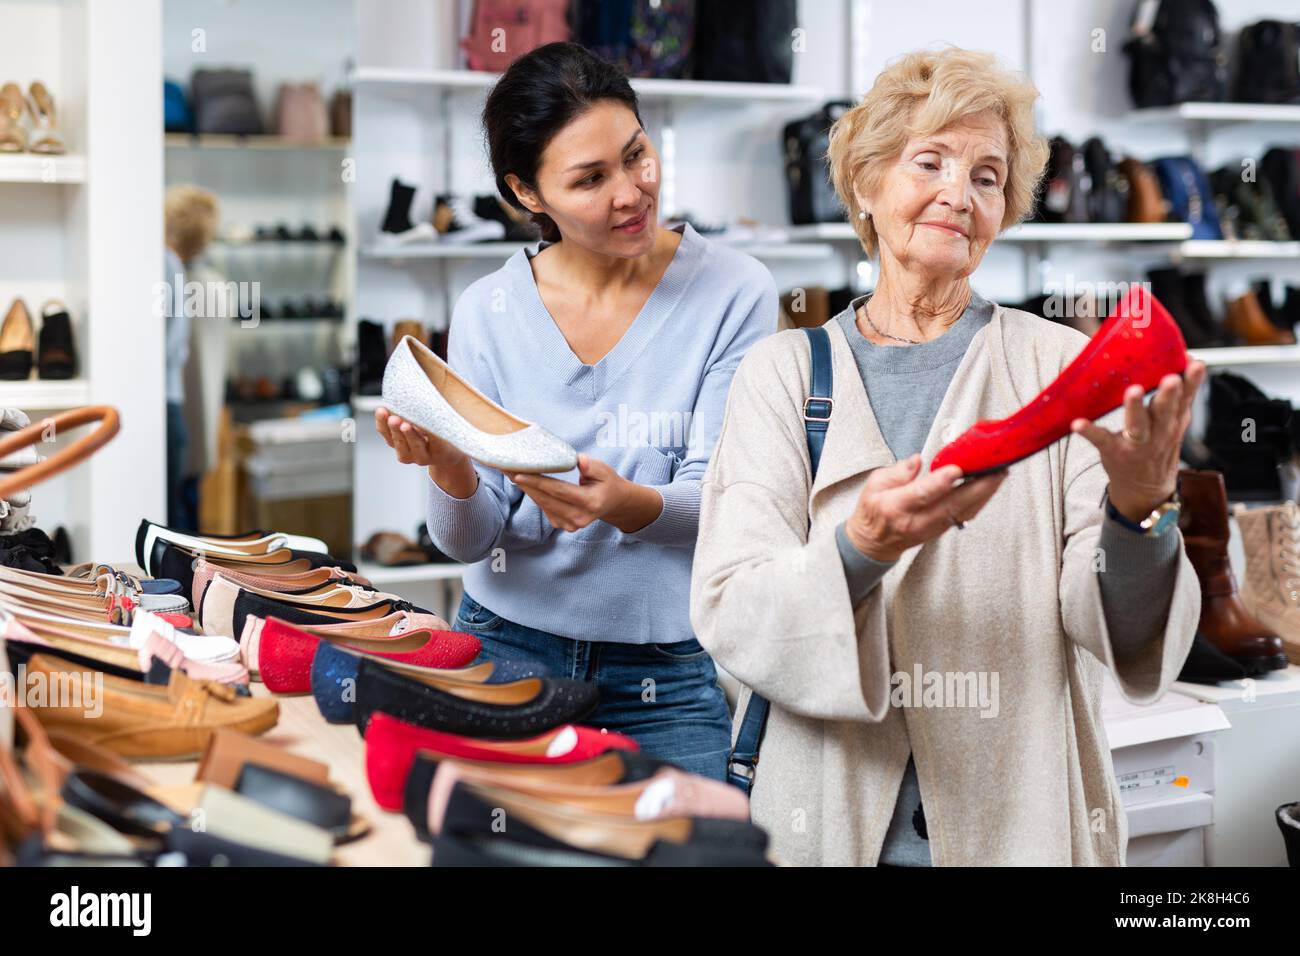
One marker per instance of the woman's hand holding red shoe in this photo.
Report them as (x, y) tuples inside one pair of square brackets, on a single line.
[(1141, 460)]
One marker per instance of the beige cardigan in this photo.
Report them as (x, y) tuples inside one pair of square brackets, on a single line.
[(1015, 593)]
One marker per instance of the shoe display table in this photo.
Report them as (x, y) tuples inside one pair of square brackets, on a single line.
[(1257, 766), (390, 842)]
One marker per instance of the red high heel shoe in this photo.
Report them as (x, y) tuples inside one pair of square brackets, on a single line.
[(1139, 343)]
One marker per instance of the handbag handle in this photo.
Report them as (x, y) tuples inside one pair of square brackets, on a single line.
[(817, 409), (64, 458)]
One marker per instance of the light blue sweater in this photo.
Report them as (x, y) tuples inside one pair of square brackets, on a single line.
[(651, 409)]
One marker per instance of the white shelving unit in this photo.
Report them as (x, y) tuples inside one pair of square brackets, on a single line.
[(380, 78), (1238, 249), (45, 394), (267, 180), (1220, 113), (220, 141), (1119, 232), (49, 170), (382, 577), (86, 228), (500, 251), (1249, 355)]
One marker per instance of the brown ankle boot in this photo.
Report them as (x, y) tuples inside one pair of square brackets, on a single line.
[(1225, 622), (1247, 320)]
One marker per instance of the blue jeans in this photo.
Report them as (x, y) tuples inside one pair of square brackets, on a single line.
[(179, 514), (664, 696)]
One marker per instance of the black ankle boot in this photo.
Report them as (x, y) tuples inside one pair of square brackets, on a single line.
[(398, 216), (1198, 307), (1168, 286), (1250, 461), (57, 355), (372, 356), (1290, 310)]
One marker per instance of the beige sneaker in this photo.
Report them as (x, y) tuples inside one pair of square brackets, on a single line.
[(1271, 538)]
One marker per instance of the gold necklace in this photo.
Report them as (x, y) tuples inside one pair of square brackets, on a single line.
[(866, 312)]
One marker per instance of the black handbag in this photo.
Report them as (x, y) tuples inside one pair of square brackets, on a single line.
[(1268, 63), (1175, 51), (1107, 196), (1281, 168), (1063, 196), (745, 42), (807, 174), (224, 102)]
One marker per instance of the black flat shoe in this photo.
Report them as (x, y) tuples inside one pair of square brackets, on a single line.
[(136, 814), (258, 605), (16, 343), (57, 358), (177, 563), (471, 837), (523, 708), (20, 652)]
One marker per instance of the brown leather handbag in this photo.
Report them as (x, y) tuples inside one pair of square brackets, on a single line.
[(1146, 203), (64, 458)]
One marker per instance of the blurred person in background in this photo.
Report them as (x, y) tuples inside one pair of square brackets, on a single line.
[(190, 224)]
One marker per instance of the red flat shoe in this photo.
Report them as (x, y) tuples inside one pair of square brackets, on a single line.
[(281, 654), (1139, 343), (391, 746)]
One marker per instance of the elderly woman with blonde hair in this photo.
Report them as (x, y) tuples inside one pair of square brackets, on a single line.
[(932, 648)]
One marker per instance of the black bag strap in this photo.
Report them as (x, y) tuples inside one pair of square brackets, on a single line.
[(816, 419)]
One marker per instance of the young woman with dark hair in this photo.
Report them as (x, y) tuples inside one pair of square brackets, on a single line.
[(621, 337)]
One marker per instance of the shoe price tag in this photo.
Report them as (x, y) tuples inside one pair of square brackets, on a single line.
[(1146, 779)]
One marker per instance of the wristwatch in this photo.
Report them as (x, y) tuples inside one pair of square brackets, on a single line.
[(1161, 519)]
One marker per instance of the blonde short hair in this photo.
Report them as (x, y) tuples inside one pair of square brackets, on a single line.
[(921, 94), (190, 220)]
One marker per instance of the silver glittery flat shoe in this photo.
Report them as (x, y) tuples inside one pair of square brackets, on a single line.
[(423, 389)]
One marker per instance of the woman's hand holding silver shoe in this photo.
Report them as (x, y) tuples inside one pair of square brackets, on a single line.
[(899, 509), (449, 467), (602, 494)]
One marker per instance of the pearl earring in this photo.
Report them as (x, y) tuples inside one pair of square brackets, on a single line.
[(863, 214)]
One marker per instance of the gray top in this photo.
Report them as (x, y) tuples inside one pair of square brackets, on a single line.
[(906, 385)]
